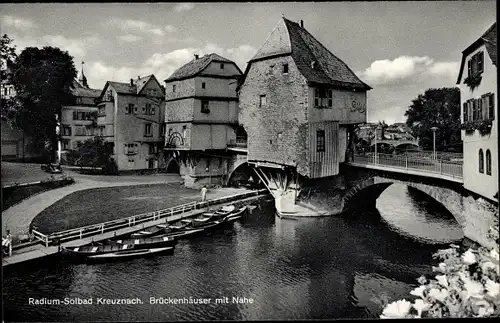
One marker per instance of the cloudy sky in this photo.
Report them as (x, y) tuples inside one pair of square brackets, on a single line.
[(398, 48)]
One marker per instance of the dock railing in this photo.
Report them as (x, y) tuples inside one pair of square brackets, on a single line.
[(405, 162), (100, 228), (41, 237)]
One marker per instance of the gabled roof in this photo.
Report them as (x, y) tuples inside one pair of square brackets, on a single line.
[(196, 66), (489, 39), (80, 91), (288, 38), (127, 88)]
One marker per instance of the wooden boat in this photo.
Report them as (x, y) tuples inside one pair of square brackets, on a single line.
[(127, 254), (185, 233), (145, 243), (148, 233), (226, 210), (89, 250), (239, 213), (172, 228)]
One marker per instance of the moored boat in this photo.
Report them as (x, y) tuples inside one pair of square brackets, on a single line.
[(148, 233), (145, 243), (89, 250), (185, 233), (127, 254)]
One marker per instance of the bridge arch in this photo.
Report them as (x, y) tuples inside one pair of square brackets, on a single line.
[(172, 166), (407, 146), (369, 189), (241, 170)]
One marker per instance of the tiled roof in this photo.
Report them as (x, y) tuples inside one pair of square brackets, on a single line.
[(489, 39), (195, 66), (289, 38), (123, 88), (81, 91)]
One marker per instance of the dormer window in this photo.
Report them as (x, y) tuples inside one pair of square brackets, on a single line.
[(475, 65), (285, 68), (222, 66)]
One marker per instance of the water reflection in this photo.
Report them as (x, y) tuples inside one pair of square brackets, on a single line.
[(312, 268)]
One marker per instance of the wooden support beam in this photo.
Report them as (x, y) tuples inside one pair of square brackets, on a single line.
[(263, 181)]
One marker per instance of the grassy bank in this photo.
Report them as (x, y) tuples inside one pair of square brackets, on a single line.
[(105, 204), (15, 194)]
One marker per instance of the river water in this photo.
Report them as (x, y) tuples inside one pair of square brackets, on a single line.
[(314, 268)]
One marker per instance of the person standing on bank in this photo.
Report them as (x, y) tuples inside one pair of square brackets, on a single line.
[(203, 193), (9, 239)]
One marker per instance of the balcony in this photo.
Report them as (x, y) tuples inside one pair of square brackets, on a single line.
[(237, 143)]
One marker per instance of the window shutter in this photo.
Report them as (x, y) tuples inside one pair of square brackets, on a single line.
[(480, 62), (469, 67), (491, 106), (480, 109), (465, 112)]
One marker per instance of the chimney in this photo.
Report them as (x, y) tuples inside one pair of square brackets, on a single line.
[(301, 23), (196, 56), (131, 82), (139, 77)]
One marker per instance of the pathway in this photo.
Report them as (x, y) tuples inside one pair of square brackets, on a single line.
[(18, 217)]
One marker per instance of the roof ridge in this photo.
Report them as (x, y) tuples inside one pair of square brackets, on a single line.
[(324, 47)]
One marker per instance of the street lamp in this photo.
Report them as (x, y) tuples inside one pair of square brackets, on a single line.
[(376, 132), (434, 142)]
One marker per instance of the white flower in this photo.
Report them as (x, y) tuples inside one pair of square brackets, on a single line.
[(439, 295), (420, 306), (398, 309), (441, 268), (488, 265), (492, 288), (442, 280), (419, 291), (494, 254), (468, 257), (473, 289), (485, 311)]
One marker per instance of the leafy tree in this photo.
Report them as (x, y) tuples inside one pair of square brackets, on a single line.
[(7, 60), (436, 108), (95, 153), (43, 79)]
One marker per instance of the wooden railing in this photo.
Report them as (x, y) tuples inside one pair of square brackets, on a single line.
[(405, 162), (100, 228), (41, 237)]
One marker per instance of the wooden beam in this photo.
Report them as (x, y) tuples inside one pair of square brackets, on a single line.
[(264, 181)]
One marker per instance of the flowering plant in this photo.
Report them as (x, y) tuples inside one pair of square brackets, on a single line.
[(473, 80), (467, 286)]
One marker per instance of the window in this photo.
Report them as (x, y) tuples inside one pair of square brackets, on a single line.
[(89, 131), (66, 131), (263, 101), (65, 144), (490, 105), (163, 129), (222, 66), (323, 98), (184, 130), (475, 65), (129, 108), (285, 68), (131, 159), (204, 107), (481, 161), (173, 88), (488, 162), (102, 111), (129, 149), (320, 140), (152, 149), (80, 131), (147, 129), (149, 109), (203, 85)]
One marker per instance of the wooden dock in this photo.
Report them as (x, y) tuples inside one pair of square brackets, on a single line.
[(40, 251)]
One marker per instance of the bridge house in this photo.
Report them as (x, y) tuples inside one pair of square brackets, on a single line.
[(298, 104), (478, 89), (202, 118), (131, 120)]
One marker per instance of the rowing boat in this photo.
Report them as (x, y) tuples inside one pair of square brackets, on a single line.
[(126, 254), (148, 233), (89, 250), (145, 243), (185, 233)]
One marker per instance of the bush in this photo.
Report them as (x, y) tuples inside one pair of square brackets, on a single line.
[(467, 286)]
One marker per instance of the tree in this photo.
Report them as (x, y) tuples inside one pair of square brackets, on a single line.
[(7, 60), (436, 108), (43, 79), (95, 153)]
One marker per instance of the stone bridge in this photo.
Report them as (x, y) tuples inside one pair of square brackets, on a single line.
[(396, 143), (357, 187)]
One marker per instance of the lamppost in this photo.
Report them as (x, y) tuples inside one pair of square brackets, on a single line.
[(434, 142), (376, 132)]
